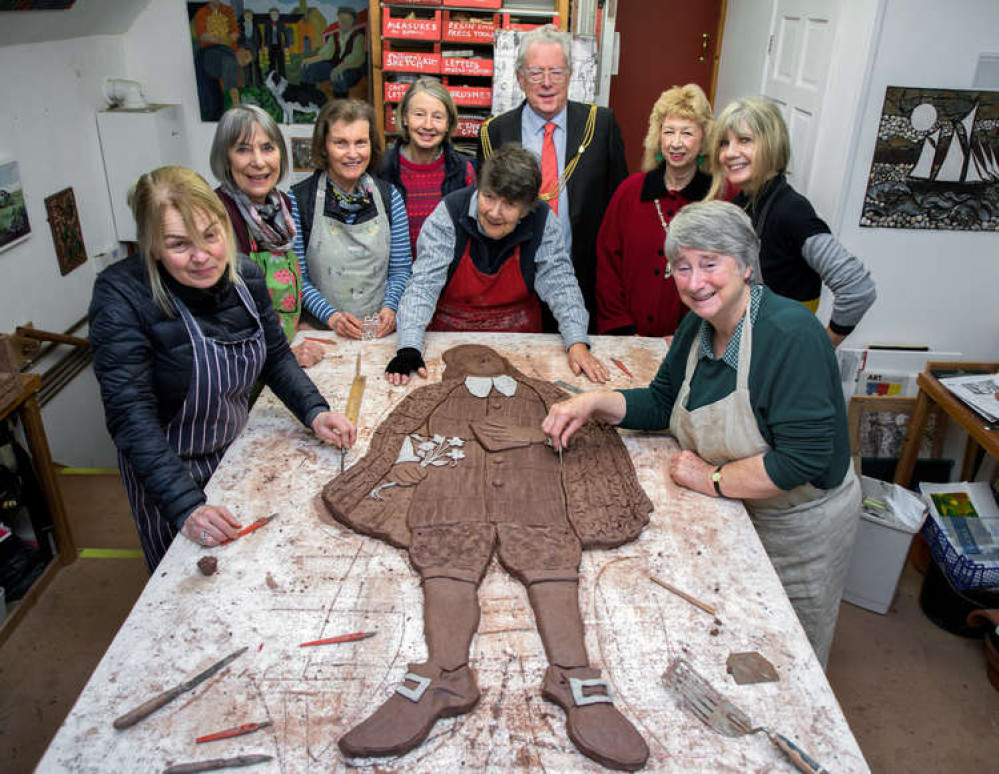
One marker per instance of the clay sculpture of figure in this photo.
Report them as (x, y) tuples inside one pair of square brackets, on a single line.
[(461, 468)]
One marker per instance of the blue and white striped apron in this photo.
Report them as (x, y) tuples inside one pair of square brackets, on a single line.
[(213, 414)]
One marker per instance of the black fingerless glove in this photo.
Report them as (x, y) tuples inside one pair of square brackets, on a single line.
[(406, 361)]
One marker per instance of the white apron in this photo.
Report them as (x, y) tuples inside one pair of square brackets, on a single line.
[(348, 263), (807, 532)]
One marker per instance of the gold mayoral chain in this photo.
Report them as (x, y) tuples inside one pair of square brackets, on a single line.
[(563, 181)]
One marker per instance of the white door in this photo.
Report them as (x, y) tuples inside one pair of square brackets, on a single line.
[(798, 62)]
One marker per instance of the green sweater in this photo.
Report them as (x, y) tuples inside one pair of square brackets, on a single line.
[(794, 389)]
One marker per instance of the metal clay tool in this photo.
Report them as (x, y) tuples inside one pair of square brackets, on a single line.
[(721, 715), (147, 708), (353, 637), (217, 763), (246, 728), (568, 387), (353, 409)]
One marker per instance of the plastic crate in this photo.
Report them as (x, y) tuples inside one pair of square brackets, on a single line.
[(473, 3), (471, 96), (457, 65), (962, 572), (423, 28), (394, 92), (408, 61), (513, 21), (468, 127), (479, 29)]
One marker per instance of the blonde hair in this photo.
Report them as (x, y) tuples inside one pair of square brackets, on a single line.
[(188, 193), (760, 119), (687, 102)]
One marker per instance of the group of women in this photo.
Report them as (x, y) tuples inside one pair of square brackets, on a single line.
[(183, 332)]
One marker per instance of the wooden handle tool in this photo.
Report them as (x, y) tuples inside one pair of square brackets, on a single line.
[(147, 708), (217, 763)]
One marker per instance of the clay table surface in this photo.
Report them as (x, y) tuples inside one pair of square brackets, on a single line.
[(301, 578)]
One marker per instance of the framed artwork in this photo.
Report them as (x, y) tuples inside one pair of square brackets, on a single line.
[(36, 5), (67, 235), (878, 427), (14, 226), (301, 154), (286, 56), (936, 161)]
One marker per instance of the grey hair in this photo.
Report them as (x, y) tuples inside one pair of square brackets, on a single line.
[(434, 88), (720, 227), (548, 33), (236, 124)]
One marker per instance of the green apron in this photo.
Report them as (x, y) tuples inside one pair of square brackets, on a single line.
[(284, 284)]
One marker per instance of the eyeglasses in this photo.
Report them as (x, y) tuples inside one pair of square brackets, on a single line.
[(537, 74)]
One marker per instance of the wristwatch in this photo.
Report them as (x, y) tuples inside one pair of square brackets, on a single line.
[(716, 480)]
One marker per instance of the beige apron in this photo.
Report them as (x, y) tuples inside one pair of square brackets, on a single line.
[(349, 263), (807, 532)]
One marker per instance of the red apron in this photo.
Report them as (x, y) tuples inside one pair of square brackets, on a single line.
[(473, 301)]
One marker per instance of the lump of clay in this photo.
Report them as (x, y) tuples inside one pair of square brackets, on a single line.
[(208, 565)]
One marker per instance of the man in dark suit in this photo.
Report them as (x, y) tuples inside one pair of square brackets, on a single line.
[(587, 143)]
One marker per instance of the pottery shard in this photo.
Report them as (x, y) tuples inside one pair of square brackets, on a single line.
[(208, 565)]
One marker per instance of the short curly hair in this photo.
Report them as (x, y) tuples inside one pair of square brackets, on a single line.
[(687, 102)]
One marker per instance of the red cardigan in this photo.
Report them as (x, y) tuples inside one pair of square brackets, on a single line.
[(631, 291)]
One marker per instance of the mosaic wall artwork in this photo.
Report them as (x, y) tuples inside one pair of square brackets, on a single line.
[(935, 162)]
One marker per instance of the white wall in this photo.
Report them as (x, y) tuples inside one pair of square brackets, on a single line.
[(51, 93), (934, 287)]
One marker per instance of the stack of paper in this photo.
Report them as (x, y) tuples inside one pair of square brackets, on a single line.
[(979, 391)]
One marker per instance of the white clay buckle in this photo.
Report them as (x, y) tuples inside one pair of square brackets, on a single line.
[(576, 685), (414, 694)]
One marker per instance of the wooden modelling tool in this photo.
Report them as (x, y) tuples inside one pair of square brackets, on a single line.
[(147, 708), (353, 410), (218, 763)]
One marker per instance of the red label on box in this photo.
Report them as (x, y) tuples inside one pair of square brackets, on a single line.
[(394, 92), (471, 96), (412, 61), (469, 32), (467, 127), (416, 2), (508, 24), (457, 65), (411, 29), (474, 3), (390, 125)]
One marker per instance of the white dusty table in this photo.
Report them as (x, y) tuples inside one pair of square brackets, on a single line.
[(301, 578)]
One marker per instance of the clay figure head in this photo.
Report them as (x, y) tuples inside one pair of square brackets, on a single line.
[(476, 360)]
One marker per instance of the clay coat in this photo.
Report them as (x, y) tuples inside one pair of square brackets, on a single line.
[(604, 510)]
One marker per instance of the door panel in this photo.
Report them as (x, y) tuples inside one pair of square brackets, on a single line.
[(797, 67), (664, 43)]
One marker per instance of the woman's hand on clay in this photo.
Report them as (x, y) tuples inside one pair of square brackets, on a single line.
[(406, 361), (565, 418), (210, 525), (346, 325), (386, 322), (335, 428), (689, 470), (582, 360)]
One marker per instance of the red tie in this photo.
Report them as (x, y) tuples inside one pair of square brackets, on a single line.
[(549, 167)]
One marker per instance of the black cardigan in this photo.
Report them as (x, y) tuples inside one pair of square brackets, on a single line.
[(455, 169), (143, 361)]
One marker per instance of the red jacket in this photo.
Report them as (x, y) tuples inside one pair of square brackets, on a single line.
[(631, 290)]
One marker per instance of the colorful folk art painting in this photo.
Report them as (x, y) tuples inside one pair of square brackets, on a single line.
[(14, 226), (936, 161), (287, 57)]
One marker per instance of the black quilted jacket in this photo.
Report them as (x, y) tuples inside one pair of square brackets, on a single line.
[(142, 359)]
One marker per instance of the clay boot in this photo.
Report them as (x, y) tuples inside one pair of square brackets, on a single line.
[(592, 721), (404, 721)]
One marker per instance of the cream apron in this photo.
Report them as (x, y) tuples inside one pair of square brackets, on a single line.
[(348, 263), (807, 532)]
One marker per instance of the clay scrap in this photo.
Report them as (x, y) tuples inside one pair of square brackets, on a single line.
[(749, 668)]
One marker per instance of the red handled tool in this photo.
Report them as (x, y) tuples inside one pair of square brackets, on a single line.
[(261, 522), (354, 637), (246, 728), (622, 366)]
